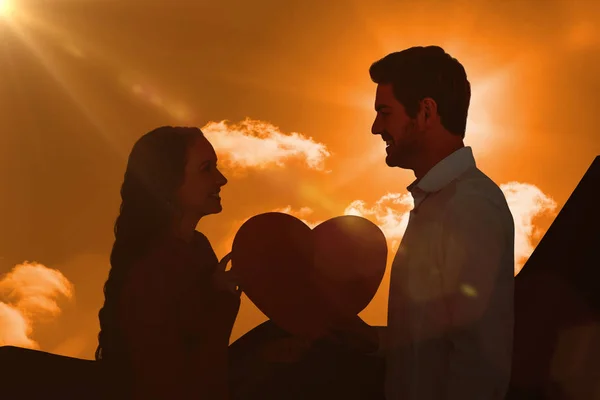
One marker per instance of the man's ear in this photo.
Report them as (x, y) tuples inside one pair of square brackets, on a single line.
[(427, 112)]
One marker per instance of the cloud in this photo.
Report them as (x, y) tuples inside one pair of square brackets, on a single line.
[(526, 202), (29, 293), (15, 328), (258, 144), (248, 144), (390, 213)]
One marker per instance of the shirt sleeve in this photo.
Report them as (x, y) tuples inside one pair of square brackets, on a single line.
[(476, 271)]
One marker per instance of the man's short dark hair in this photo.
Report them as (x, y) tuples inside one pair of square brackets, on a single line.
[(420, 72)]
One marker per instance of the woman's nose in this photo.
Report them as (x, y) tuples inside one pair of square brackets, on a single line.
[(222, 180)]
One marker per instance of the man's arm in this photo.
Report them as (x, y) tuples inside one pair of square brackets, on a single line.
[(476, 245), (382, 332)]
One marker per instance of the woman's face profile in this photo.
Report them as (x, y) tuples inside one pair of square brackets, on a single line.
[(202, 180)]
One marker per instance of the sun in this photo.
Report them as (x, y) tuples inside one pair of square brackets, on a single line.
[(6, 8)]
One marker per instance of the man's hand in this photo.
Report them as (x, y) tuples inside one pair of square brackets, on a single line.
[(356, 334), (226, 280)]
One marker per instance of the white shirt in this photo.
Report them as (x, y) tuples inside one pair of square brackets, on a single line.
[(450, 310)]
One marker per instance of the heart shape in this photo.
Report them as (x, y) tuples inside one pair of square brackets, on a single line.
[(300, 277)]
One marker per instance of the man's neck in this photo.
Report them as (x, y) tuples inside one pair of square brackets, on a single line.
[(436, 154)]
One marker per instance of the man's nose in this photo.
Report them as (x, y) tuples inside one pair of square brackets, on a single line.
[(376, 128)]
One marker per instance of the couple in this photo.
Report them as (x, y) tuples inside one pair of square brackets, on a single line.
[(170, 305)]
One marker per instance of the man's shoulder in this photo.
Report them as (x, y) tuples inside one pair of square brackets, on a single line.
[(475, 184), (475, 190)]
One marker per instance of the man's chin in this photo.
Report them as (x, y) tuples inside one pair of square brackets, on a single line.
[(397, 160), (392, 161)]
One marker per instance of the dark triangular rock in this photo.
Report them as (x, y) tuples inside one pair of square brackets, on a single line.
[(557, 304)]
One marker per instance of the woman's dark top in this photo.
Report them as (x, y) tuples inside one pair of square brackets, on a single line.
[(176, 325)]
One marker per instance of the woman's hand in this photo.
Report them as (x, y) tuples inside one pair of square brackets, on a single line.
[(224, 280)]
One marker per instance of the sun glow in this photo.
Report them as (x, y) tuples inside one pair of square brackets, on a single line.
[(6, 8)]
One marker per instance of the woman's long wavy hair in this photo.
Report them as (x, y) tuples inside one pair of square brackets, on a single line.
[(155, 171)]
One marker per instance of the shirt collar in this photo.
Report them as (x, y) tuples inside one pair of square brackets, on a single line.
[(444, 172)]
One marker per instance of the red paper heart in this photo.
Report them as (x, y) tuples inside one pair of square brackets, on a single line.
[(300, 277)]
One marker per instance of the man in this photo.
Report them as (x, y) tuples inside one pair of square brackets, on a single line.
[(450, 310)]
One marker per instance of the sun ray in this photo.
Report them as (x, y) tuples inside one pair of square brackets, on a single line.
[(29, 23), (23, 24), (122, 75), (46, 60)]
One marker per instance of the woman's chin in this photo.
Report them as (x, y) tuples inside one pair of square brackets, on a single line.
[(213, 209)]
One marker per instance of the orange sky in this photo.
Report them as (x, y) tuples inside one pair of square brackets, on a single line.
[(81, 80)]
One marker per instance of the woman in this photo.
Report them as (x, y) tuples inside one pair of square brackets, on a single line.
[(169, 304)]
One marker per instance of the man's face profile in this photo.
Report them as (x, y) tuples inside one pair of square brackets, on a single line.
[(397, 129)]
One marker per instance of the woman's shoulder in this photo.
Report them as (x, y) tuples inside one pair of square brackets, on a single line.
[(203, 245), (178, 260), (172, 262), (201, 240), (167, 250)]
